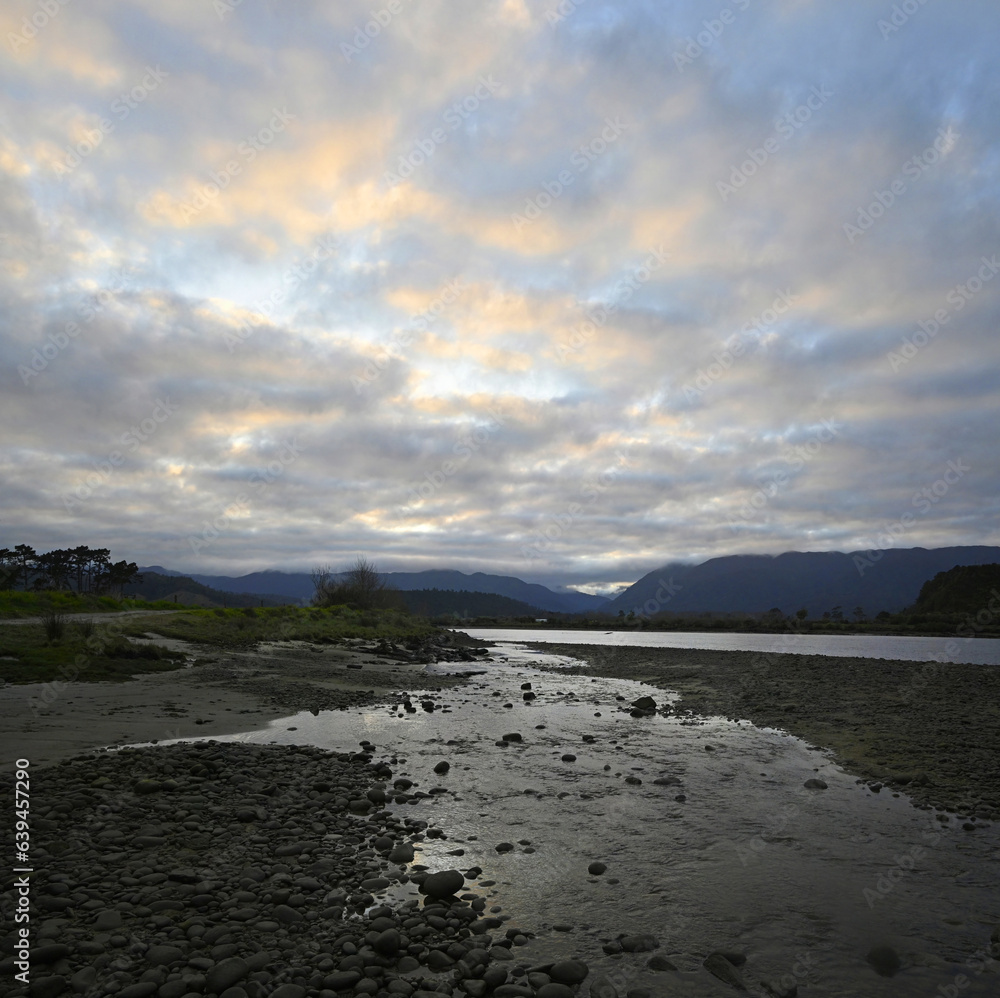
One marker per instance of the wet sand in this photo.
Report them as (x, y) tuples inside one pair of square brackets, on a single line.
[(931, 730)]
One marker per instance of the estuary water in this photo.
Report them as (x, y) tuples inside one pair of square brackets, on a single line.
[(729, 851), (974, 651)]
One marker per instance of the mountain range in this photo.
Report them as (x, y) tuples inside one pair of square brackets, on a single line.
[(298, 585), (816, 581)]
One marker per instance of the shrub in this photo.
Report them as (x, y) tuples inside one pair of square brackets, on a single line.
[(54, 624)]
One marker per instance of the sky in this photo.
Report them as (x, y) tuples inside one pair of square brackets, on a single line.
[(564, 291)]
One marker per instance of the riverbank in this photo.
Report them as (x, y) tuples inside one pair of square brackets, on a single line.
[(228, 692), (248, 871), (930, 730)]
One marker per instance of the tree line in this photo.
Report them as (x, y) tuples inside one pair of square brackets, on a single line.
[(81, 569)]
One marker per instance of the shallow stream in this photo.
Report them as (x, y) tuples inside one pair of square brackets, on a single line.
[(736, 856)]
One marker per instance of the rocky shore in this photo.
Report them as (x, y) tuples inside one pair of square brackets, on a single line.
[(250, 871), (931, 730)]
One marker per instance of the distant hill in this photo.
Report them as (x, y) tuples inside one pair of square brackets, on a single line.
[(188, 592), (963, 589), (819, 581), (299, 585), (448, 603)]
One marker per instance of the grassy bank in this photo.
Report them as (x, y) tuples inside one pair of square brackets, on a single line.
[(65, 649), (241, 629), (16, 605), (62, 647)]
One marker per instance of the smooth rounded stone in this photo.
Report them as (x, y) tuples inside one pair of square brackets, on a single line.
[(407, 964), (292, 991), (512, 736), (267, 925), (504, 847), (642, 943), (49, 953), (442, 767), (47, 987), (527, 697), (639, 993), (494, 976), (596, 868), (555, 990), (500, 953), (173, 989), (226, 973), (815, 784), (83, 980), (444, 884), (108, 920), (141, 990), (439, 960), (644, 703), (387, 943), (667, 781), (569, 971), (286, 915), (601, 987), (375, 884), (234, 992), (514, 991), (143, 787), (341, 980), (718, 966), (569, 757), (474, 988), (884, 960), (403, 853), (659, 963), (163, 956)]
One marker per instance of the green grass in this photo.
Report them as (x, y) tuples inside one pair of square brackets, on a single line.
[(15, 604), (245, 628), (84, 652)]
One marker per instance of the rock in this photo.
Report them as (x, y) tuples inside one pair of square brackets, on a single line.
[(341, 980), (527, 697), (644, 943), (442, 767), (815, 784), (884, 960), (387, 943), (108, 920), (47, 987), (596, 869), (403, 853), (569, 971), (717, 965), (83, 980), (555, 990), (601, 987), (226, 973), (504, 847), (569, 757), (644, 703), (163, 956), (291, 991), (141, 990), (513, 736), (659, 963), (49, 953), (443, 884)]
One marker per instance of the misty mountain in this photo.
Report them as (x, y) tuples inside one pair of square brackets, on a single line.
[(879, 580), (299, 585)]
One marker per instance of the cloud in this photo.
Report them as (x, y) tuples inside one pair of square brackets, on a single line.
[(226, 238)]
